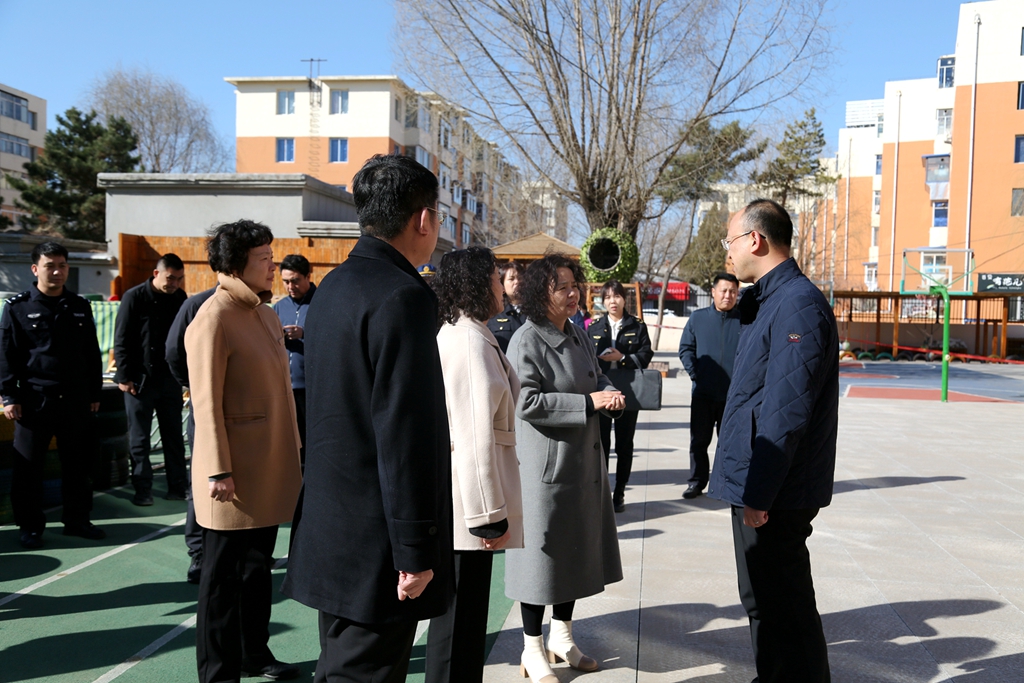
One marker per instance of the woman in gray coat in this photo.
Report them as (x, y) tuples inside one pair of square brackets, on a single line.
[(570, 547)]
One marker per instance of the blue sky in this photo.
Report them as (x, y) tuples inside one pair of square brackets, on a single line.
[(55, 49)]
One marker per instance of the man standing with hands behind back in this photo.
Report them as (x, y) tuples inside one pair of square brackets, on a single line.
[(776, 456), (372, 539), (707, 349)]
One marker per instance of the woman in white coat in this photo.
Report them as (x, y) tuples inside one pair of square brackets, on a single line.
[(481, 391)]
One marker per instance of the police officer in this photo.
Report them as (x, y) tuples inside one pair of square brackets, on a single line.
[(51, 375), (504, 325)]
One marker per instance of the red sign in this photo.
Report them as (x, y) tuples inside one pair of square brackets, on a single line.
[(677, 291)]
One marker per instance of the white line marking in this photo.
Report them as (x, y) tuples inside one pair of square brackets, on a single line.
[(88, 563), (147, 651)]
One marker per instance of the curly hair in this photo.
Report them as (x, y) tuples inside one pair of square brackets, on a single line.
[(537, 281), (228, 247), (463, 284)]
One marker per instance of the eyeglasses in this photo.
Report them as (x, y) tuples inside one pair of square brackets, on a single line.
[(727, 242), (442, 216)]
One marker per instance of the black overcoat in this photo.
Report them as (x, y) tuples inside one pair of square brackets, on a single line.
[(377, 492)]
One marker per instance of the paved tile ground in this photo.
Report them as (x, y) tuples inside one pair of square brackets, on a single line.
[(917, 563)]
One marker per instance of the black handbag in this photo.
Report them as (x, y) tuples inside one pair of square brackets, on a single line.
[(642, 388)]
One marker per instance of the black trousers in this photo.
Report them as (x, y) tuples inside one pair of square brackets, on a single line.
[(456, 641), (370, 653), (300, 416), (705, 418), (44, 416), (774, 572), (163, 395), (625, 429), (193, 532), (235, 590)]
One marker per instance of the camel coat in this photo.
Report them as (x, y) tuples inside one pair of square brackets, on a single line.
[(481, 391), (244, 410)]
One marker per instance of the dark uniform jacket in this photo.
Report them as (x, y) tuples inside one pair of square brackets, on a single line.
[(140, 332), (49, 344), (633, 341), (707, 349), (292, 312), (174, 348), (504, 325), (777, 444), (377, 496)]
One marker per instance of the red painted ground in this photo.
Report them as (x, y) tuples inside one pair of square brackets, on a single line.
[(866, 375), (918, 395)]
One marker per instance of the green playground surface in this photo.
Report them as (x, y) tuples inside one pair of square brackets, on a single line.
[(79, 611)]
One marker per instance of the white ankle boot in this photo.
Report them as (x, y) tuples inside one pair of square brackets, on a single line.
[(562, 647), (535, 661)]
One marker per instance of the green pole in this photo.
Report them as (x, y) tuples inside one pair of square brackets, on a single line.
[(945, 340)]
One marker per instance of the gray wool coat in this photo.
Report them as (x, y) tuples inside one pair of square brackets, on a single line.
[(570, 544)]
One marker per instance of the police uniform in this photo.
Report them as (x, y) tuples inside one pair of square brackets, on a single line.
[(50, 365), (633, 341), (504, 325)]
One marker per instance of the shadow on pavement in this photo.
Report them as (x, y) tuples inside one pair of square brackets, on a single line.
[(887, 482), (25, 565)]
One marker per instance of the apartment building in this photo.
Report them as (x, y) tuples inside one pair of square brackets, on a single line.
[(938, 162), (22, 133), (327, 127)]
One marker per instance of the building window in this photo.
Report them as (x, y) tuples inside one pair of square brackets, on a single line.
[(880, 126), (470, 202), (14, 107), (876, 202), (12, 144), (874, 235), (944, 121), (424, 158), (1018, 150), (456, 194), (466, 234), (940, 214), (1017, 203), (444, 177), (444, 135), (1022, 42), (339, 101), (285, 150), (946, 66), (871, 276), (339, 150), (936, 169), (878, 164), (449, 224), (398, 109), (285, 102)]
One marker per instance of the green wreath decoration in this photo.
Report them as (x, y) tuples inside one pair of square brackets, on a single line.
[(609, 254)]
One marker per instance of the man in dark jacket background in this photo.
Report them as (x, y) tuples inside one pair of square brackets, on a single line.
[(707, 348), (372, 539), (775, 462), (292, 309), (143, 320)]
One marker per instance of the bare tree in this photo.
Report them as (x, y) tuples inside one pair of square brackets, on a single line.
[(597, 97), (175, 130)]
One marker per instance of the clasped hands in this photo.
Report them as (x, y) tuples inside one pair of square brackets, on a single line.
[(608, 400)]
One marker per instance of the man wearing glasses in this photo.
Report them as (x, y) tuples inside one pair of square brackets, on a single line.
[(707, 349), (776, 457)]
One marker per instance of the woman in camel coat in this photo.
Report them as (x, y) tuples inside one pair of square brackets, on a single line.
[(481, 392), (245, 467)]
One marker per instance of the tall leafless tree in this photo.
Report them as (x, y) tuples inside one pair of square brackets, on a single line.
[(175, 130), (596, 97)]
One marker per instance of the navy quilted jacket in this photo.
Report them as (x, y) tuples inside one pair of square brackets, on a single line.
[(777, 445)]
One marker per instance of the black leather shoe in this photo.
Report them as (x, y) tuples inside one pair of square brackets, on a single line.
[(175, 495), (142, 499), (195, 568), (692, 491), (275, 671), (31, 540), (87, 530), (619, 503)]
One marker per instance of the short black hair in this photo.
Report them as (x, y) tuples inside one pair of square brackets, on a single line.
[(229, 244), (463, 284), (169, 262), (536, 281), (296, 263), (616, 288), (48, 249), (388, 190), (771, 220), (728, 277)]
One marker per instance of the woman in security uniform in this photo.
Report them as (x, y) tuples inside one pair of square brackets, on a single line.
[(504, 325), (621, 342)]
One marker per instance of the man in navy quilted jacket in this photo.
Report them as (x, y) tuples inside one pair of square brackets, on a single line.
[(776, 455)]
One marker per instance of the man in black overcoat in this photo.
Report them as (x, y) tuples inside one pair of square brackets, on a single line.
[(372, 540)]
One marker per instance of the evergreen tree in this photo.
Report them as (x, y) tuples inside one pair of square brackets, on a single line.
[(61, 192), (711, 156), (797, 170), (706, 257)]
